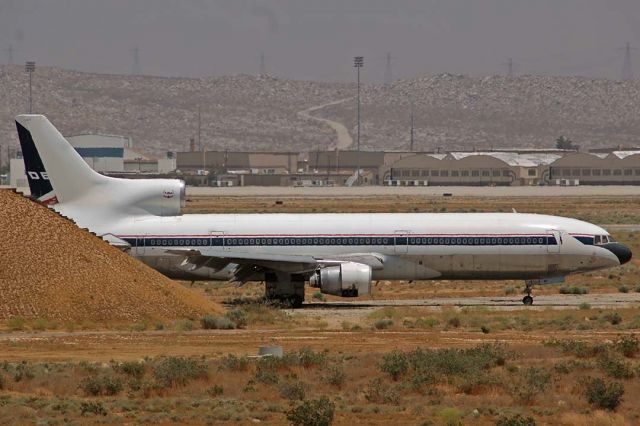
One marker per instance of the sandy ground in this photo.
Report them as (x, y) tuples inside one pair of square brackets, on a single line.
[(438, 191)]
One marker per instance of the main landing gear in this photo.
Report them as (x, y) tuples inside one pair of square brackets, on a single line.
[(528, 299)]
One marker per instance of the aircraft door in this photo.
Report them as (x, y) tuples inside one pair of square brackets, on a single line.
[(554, 241), (401, 242), (140, 245)]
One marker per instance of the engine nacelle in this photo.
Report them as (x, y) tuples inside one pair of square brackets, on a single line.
[(161, 197), (349, 279)]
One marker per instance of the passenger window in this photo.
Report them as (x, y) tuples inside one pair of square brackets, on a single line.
[(493, 241), (510, 240), (385, 240), (499, 241), (464, 241), (528, 240), (476, 241)]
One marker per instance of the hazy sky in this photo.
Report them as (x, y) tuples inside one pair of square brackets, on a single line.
[(317, 39)]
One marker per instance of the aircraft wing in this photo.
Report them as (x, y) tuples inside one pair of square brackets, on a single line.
[(250, 263)]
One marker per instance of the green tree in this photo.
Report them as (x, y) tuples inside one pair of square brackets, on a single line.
[(565, 143)]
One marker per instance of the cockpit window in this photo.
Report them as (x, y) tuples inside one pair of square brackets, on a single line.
[(602, 239)]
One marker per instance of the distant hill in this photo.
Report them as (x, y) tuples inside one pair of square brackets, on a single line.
[(261, 113), (456, 112)]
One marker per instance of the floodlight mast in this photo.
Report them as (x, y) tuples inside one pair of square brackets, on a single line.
[(30, 67), (358, 63)]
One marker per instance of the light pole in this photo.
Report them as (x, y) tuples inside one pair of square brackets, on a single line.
[(358, 63), (30, 67), (412, 125)]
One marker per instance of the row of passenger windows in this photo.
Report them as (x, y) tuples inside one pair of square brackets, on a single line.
[(594, 172), (323, 241), (453, 173), (465, 241)]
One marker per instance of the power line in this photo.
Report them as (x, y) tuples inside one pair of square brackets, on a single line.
[(627, 71)]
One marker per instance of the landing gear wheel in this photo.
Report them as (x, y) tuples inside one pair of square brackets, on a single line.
[(527, 300)]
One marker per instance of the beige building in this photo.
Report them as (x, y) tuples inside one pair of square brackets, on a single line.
[(615, 168), (250, 162)]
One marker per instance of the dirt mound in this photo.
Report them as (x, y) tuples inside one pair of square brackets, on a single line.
[(51, 269)]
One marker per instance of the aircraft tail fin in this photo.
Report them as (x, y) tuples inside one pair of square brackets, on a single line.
[(55, 171)]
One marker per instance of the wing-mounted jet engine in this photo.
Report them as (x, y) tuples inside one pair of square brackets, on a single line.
[(348, 279)]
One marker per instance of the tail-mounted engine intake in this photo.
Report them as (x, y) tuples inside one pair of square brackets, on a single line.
[(161, 197), (349, 279)]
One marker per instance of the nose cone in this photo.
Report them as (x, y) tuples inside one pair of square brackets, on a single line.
[(621, 251)]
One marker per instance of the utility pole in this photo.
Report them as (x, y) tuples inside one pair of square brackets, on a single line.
[(263, 64), (388, 73), (627, 71), (30, 67), (412, 126), (511, 67), (135, 68), (9, 51), (358, 63)]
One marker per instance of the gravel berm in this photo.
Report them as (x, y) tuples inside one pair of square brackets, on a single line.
[(51, 269)]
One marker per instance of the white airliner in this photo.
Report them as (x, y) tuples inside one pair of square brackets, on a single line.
[(338, 253)]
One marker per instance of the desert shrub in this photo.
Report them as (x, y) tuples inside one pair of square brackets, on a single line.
[(319, 296), (383, 324), (267, 371), (293, 391), (238, 317), (22, 371), (215, 390), (628, 345), (584, 306), (104, 385), (131, 368), (234, 363), (334, 376), (16, 323), (566, 367), (209, 322), (184, 325), (426, 323), (613, 318), (573, 290), (602, 394), (452, 362), (380, 393), (420, 380), (2, 382), (395, 364), (517, 420), (316, 412), (451, 416), (454, 322), (532, 382), (485, 329), (177, 371), (614, 366), (92, 407), (623, 289), (577, 347), (307, 358), (508, 291)]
